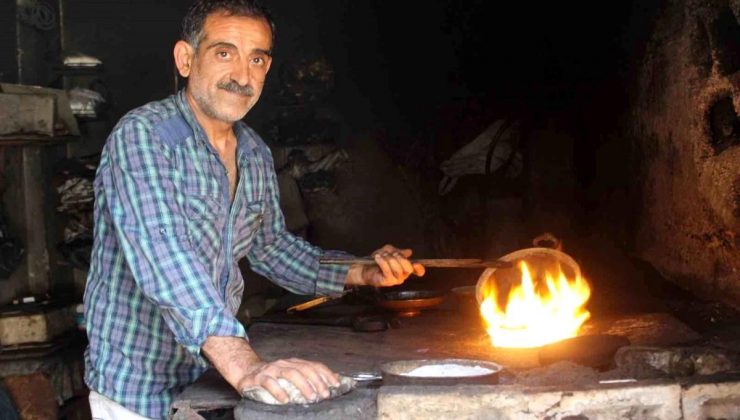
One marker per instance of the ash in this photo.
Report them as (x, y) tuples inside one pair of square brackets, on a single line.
[(448, 370)]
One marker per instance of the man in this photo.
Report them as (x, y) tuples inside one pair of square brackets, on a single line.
[(184, 190)]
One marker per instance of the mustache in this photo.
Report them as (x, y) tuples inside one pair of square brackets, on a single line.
[(235, 87)]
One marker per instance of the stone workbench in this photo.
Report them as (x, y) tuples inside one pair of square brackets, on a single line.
[(433, 334)]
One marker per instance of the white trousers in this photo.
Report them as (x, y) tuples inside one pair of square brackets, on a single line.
[(103, 408)]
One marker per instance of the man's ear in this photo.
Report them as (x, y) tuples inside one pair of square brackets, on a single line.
[(184, 55)]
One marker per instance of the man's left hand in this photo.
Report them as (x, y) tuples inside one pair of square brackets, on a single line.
[(391, 269)]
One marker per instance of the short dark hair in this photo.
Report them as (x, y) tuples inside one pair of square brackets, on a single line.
[(195, 19)]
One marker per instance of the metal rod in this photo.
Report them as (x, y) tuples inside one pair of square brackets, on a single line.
[(426, 262)]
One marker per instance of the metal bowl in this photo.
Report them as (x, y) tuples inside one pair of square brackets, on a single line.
[(396, 373), (541, 259), (410, 303)]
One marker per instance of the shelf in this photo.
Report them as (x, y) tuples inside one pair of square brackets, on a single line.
[(79, 71), (35, 140), (69, 339)]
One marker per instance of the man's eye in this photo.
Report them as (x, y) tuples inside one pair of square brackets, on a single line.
[(223, 54), (258, 61)]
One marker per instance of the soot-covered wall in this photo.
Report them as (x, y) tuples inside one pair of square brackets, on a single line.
[(687, 138)]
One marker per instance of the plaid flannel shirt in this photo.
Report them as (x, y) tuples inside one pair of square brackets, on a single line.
[(164, 273)]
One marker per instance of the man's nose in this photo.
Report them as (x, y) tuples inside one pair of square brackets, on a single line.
[(240, 74)]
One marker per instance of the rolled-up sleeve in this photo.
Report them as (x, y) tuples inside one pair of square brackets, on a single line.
[(149, 219), (286, 259)]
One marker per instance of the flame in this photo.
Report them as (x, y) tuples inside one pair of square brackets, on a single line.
[(532, 319)]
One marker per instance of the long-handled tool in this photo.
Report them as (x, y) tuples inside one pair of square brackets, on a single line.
[(426, 262)]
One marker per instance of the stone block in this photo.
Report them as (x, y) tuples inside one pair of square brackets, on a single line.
[(711, 401), (358, 404), (646, 401)]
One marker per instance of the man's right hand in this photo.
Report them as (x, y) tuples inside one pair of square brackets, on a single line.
[(242, 368), (313, 379)]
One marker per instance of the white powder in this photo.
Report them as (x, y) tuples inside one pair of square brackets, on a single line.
[(448, 370)]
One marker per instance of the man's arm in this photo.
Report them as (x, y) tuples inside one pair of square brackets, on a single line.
[(286, 259), (243, 369)]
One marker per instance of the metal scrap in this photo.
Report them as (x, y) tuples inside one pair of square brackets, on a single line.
[(495, 149)]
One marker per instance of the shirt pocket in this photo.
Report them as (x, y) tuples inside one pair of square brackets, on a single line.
[(202, 204), (248, 223), (205, 221)]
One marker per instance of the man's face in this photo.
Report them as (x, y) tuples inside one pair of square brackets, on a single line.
[(228, 69)]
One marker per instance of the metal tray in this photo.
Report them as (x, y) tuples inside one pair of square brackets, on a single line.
[(394, 372)]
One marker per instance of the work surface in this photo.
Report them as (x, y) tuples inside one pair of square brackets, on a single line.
[(433, 334)]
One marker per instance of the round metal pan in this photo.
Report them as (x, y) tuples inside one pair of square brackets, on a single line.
[(410, 303), (396, 373)]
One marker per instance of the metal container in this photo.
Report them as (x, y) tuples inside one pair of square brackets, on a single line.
[(396, 373), (544, 259)]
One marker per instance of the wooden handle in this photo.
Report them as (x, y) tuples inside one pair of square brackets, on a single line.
[(311, 303), (427, 262)]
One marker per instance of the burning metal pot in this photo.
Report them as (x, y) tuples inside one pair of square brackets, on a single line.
[(545, 301)]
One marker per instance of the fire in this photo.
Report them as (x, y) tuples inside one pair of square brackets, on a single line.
[(533, 319)]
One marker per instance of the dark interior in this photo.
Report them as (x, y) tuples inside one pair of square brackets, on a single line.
[(624, 137)]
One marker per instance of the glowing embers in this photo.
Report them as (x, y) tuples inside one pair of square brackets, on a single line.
[(536, 314)]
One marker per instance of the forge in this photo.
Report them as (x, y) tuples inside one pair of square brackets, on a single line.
[(663, 369)]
